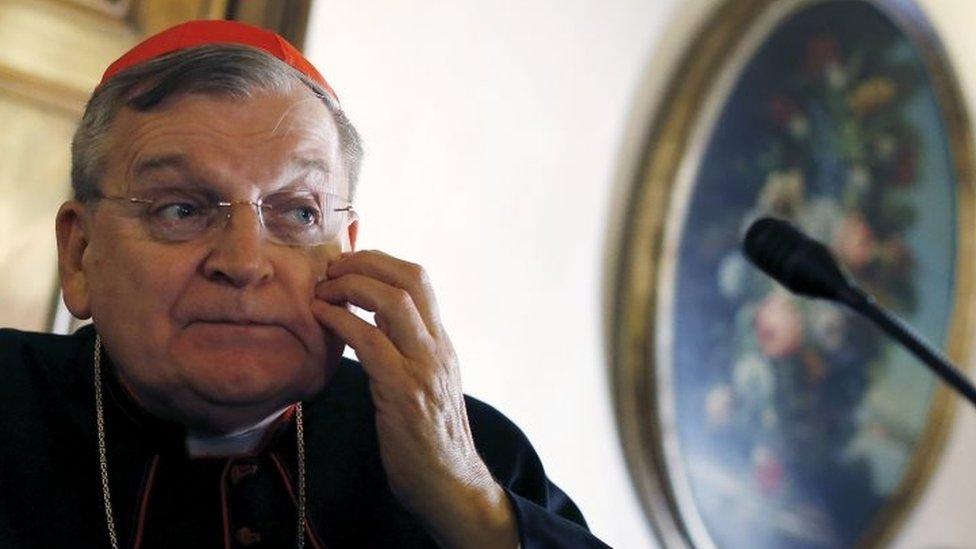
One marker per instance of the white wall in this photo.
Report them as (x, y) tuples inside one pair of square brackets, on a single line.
[(499, 135)]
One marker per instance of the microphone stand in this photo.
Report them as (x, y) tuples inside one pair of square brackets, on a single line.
[(863, 303)]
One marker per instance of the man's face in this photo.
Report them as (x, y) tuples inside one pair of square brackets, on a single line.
[(215, 332)]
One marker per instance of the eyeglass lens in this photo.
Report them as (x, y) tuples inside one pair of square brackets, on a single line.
[(291, 218)]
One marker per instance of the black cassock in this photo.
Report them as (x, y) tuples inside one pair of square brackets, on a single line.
[(51, 492)]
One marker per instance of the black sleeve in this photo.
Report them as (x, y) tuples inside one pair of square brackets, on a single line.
[(547, 518)]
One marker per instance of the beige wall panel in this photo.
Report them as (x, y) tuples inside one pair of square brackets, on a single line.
[(52, 54), (34, 180)]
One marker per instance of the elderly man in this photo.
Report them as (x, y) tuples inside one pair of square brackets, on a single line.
[(211, 241)]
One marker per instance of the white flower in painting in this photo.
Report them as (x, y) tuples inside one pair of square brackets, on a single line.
[(718, 406), (783, 192), (827, 325), (733, 272), (836, 75), (761, 455), (886, 454), (753, 378), (820, 217), (885, 146), (859, 178), (799, 126)]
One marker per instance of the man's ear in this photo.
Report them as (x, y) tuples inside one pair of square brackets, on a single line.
[(72, 232)]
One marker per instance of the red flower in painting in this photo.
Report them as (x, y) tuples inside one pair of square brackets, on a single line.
[(898, 257), (906, 164), (822, 50), (779, 326), (855, 243), (768, 470), (781, 110)]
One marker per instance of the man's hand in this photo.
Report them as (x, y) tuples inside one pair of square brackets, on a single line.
[(424, 437)]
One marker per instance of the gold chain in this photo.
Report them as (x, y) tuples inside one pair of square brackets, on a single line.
[(103, 459), (300, 435)]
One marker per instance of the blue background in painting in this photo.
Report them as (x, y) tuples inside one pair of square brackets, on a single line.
[(725, 193)]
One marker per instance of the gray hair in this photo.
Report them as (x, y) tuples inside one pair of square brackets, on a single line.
[(231, 70)]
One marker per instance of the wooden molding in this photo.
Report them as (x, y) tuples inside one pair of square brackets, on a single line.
[(43, 92), (116, 9)]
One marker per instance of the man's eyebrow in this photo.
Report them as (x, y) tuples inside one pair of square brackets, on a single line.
[(161, 162)]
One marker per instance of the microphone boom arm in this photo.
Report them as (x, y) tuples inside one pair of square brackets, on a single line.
[(906, 335)]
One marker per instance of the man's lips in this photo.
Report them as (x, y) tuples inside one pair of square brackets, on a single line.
[(236, 318), (226, 320), (237, 325), (254, 323), (240, 332), (247, 324)]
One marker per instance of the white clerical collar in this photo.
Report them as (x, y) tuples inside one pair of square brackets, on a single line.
[(242, 441)]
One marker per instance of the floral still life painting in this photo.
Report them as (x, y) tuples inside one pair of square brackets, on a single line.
[(796, 421)]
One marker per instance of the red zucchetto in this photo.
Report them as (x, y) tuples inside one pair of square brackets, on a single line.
[(216, 31)]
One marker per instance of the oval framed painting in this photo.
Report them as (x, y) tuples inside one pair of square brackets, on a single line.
[(751, 418)]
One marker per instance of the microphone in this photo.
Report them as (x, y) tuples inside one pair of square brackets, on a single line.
[(798, 262), (806, 267)]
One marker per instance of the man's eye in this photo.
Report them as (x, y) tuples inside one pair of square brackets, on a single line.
[(177, 211), (294, 213), (303, 215)]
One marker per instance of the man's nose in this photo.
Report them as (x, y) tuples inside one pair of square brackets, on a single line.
[(239, 254)]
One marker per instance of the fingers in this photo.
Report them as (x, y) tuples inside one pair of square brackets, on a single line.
[(397, 273), (371, 345), (396, 314)]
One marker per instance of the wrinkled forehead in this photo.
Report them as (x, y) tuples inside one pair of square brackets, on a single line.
[(263, 140)]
